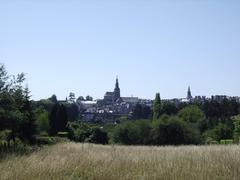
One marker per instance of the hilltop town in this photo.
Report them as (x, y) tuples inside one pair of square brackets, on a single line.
[(113, 105)]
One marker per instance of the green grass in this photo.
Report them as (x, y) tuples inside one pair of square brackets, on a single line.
[(87, 161)]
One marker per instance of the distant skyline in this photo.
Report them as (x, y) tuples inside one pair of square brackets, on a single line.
[(152, 46)]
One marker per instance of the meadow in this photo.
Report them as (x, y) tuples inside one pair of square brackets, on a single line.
[(88, 161)]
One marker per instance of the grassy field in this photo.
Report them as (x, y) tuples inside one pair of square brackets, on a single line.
[(87, 161)]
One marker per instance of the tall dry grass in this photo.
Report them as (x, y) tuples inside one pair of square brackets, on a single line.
[(87, 161)]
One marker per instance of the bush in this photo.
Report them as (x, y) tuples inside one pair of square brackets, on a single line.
[(79, 132), (42, 120), (98, 136), (191, 114), (226, 141), (133, 133), (6, 135), (63, 134), (168, 130), (221, 131), (83, 132), (44, 134), (15, 146), (171, 130), (127, 133), (210, 141), (45, 140)]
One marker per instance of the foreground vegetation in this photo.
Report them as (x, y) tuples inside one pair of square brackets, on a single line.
[(88, 161), (26, 126)]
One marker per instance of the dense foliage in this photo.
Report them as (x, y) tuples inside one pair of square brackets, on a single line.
[(168, 130), (16, 114), (157, 107), (58, 119), (83, 132)]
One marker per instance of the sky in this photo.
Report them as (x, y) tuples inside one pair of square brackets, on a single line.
[(152, 46)]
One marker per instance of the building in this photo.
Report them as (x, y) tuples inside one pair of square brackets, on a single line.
[(188, 99), (130, 100), (108, 108), (115, 96), (86, 104), (219, 98), (189, 94), (112, 97)]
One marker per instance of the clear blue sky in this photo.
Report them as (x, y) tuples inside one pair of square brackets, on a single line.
[(152, 45)]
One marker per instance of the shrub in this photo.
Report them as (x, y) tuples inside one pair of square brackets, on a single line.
[(173, 131), (6, 135), (236, 122), (44, 134), (133, 133), (191, 114), (226, 141), (42, 120), (45, 140), (15, 146), (221, 131), (83, 132), (63, 134), (98, 136), (210, 141)]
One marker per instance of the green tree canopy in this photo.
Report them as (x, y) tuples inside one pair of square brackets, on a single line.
[(16, 112), (170, 130), (133, 132), (58, 119), (191, 114), (236, 121), (157, 107)]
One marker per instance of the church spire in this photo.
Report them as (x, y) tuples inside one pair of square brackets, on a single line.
[(117, 90), (189, 94), (117, 84)]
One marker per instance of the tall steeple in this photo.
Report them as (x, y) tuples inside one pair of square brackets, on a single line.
[(117, 84), (189, 94), (117, 90)]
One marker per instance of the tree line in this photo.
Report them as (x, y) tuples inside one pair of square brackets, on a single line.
[(166, 123)]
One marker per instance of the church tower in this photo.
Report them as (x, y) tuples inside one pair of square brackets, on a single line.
[(189, 94), (117, 91)]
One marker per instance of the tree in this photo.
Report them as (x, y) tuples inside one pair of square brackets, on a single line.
[(137, 111), (79, 132), (146, 112), (28, 125), (89, 98), (220, 109), (45, 104), (72, 111), (98, 136), (133, 133), (236, 121), (42, 120), (71, 97), (170, 130), (80, 98), (141, 112), (219, 132), (83, 132), (63, 119), (53, 99), (169, 108), (157, 107), (16, 112), (191, 114), (58, 119)]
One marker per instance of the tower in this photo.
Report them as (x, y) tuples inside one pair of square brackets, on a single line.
[(116, 91), (189, 94)]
